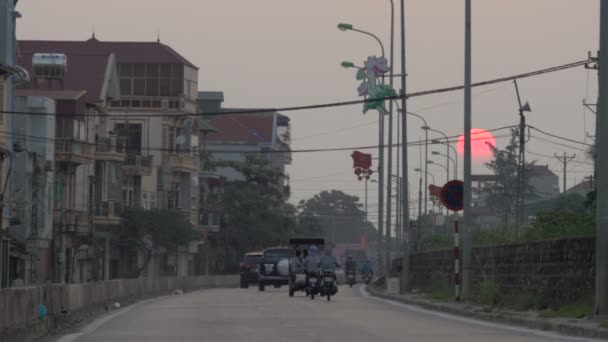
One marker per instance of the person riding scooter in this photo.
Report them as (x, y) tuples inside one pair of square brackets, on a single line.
[(366, 270), (311, 267), (328, 264), (351, 270)]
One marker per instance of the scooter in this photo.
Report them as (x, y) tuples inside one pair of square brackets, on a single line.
[(312, 287), (350, 278), (367, 278)]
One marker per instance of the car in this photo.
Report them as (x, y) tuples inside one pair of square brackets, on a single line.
[(274, 267), (297, 281), (249, 269)]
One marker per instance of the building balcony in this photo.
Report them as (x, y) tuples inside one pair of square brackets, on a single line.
[(112, 148), (70, 151), (182, 162), (137, 165), (109, 213), (74, 220)]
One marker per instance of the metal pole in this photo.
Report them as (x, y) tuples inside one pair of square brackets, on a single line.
[(380, 191), (389, 190), (366, 181), (426, 170), (466, 256), (601, 276), (405, 269)]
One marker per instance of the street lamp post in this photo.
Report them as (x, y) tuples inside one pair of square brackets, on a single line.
[(447, 141), (426, 155), (455, 160), (349, 27), (436, 153)]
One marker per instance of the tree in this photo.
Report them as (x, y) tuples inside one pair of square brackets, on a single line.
[(502, 194), (255, 212), (152, 230), (336, 215)]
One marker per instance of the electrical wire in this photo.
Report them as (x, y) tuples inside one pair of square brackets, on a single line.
[(331, 104), (558, 137)]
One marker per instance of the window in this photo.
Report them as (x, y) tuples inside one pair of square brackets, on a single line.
[(134, 135), (152, 80)]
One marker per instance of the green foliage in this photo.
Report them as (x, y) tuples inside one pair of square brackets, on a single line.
[(489, 293), (336, 215), (560, 224), (493, 237), (256, 214), (505, 165), (441, 291), (149, 230), (436, 242), (584, 307)]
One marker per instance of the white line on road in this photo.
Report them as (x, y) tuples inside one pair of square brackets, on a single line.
[(485, 324)]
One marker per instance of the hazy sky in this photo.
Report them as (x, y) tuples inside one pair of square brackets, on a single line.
[(273, 53)]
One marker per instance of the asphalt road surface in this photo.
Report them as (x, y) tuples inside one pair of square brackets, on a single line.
[(222, 315)]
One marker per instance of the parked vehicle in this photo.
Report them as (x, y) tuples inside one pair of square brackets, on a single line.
[(249, 269), (297, 278), (274, 267)]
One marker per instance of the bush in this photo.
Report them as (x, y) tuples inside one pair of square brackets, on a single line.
[(489, 293), (561, 224), (436, 242)]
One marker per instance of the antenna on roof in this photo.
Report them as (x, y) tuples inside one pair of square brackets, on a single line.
[(93, 32), (158, 36)]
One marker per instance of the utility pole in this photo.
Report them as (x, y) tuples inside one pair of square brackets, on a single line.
[(389, 190), (467, 248), (601, 249), (565, 159), (61, 257), (34, 234), (521, 174), (405, 263)]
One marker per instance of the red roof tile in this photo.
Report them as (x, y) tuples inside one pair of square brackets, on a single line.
[(250, 129)]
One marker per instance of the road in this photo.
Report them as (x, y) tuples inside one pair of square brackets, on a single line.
[(222, 315)]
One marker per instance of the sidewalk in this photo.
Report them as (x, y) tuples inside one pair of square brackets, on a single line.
[(589, 328)]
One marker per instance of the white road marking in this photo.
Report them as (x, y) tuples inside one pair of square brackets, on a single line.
[(520, 330)]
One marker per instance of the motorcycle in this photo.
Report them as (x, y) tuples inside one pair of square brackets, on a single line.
[(367, 278), (312, 287), (328, 285), (350, 278)]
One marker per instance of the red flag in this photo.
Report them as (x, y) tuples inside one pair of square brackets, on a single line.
[(435, 190), (362, 160)]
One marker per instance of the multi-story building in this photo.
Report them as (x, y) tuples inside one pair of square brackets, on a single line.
[(126, 137)]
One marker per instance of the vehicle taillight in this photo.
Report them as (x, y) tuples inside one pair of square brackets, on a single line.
[(244, 266)]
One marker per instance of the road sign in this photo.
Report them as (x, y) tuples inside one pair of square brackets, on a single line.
[(452, 195)]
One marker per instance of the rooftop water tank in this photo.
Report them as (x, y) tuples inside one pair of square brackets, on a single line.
[(49, 65)]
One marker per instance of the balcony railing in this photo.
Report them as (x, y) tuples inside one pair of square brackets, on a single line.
[(74, 220), (183, 162), (109, 209), (138, 165), (111, 145), (73, 151), (111, 148)]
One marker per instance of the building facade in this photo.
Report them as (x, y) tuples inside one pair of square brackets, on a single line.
[(125, 137)]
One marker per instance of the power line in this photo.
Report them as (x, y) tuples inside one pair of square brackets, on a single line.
[(332, 104), (558, 137)]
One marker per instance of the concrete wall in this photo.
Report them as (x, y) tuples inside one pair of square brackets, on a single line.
[(557, 271), (71, 303)]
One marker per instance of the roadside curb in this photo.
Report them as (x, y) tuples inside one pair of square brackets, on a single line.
[(500, 318)]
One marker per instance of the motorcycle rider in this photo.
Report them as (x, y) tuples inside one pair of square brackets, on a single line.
[(351, 265), (295, 264), (329, 263), (311, 262), (366, 267)]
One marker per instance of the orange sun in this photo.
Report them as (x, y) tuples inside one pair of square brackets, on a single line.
[(480, 138)]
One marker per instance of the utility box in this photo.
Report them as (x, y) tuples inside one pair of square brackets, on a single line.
[(392, 286)]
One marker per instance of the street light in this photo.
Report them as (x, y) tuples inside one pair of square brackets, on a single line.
[(349, 27), (437, 142), (436, 153), (426, 153), (447, 141)]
